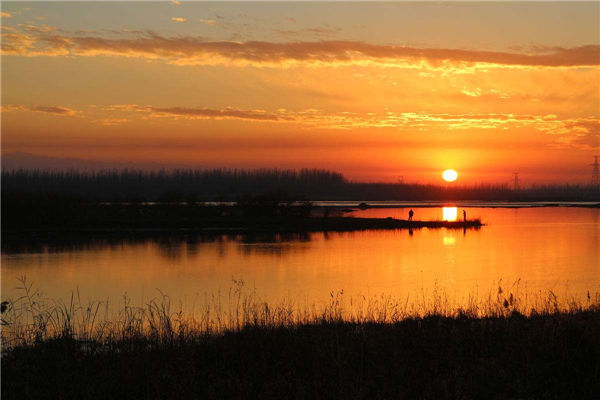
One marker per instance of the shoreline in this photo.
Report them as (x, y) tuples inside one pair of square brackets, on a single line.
[(341, 204), (511, 355), (283, 225), (457, 203)]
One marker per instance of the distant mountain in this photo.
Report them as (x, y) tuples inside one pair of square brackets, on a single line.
[(22, 160)]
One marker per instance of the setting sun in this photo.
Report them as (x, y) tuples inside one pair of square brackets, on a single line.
[(449, 175)]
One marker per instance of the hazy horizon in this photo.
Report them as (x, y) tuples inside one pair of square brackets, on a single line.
[(19, 161)]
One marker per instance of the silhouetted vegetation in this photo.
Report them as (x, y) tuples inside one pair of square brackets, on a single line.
[(172, 186), (230, 185), (37, 219), (43, 211), (116, 223), (271, 205), (502, 347)]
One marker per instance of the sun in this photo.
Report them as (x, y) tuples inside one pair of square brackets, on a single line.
[(449, 175)]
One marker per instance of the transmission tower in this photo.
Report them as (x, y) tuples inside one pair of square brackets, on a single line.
[(595, 172), (516, 181)]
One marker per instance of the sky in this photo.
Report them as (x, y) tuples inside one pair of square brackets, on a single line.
[(377, 91)]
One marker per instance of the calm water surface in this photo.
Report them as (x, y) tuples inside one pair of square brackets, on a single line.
[(550, 248)]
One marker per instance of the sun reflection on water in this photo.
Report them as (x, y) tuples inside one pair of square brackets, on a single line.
[(449, 240), (306, 268), (449, 213)]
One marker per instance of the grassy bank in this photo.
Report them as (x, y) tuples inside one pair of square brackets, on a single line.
[(502, 347)]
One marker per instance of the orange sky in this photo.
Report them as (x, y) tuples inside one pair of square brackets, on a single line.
[(375, 91)]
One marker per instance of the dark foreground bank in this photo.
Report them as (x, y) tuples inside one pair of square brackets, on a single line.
[(551, 356)]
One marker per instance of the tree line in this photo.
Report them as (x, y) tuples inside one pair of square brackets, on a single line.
[(234, 184)]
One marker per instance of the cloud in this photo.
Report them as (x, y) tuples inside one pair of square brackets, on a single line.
[(44, 109), (125, 107), (227, 113), (188, 50), (575, 131), (326, 31), (471, 93), (178, 19), (119, 32), (208, 21), (39, 28), (5, 14), (111, 121), (11, 108), (582, 132), (200, 113), (53, 110)]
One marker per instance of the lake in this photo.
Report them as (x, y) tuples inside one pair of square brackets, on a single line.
[(541, 248)]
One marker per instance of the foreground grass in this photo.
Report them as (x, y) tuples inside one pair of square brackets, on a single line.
[(504, 348)]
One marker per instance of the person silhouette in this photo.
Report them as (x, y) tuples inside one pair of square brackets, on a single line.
[(465, 215), (410, 215)]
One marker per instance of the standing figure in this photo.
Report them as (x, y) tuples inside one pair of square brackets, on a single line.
[(465, 215), (410, 215)]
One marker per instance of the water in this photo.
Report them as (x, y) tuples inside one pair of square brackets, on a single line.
[(548, 248)]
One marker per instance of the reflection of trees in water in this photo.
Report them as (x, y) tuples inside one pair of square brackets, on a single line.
[(60, 244), (275, 244), (172, 246)]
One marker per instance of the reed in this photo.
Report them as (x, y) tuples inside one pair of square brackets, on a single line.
[(31, 318), (506, 345)]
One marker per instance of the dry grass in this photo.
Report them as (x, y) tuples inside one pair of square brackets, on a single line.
[(32, 318), (506, 345)]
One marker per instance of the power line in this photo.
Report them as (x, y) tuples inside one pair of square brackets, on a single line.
[(595, 172)]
